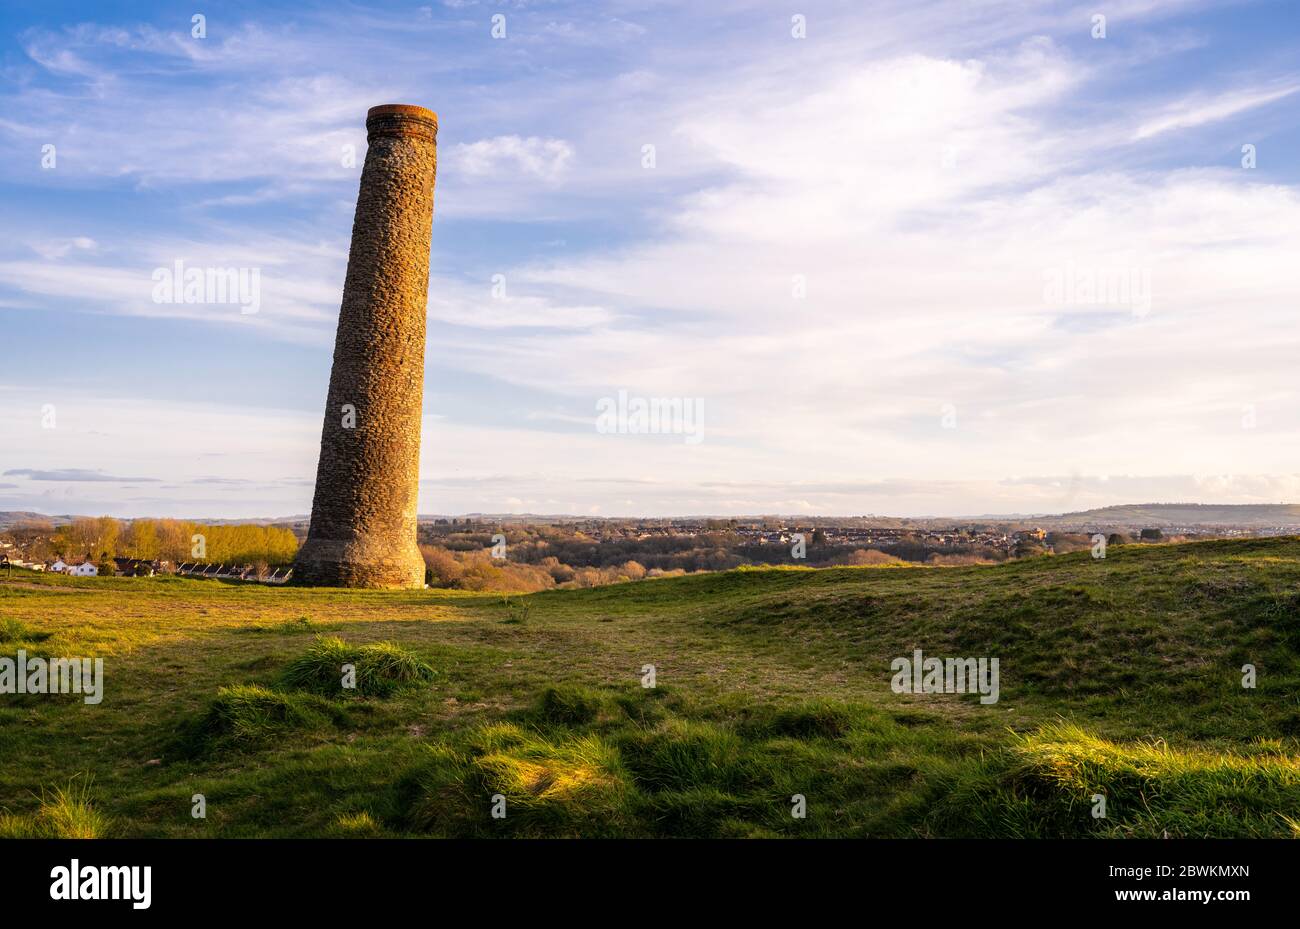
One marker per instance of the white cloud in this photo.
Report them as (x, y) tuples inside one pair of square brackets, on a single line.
[(546, 159), (57, 248), (299, 282)]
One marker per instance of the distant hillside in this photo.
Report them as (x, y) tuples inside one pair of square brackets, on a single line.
[(1172, 515), (11, 518)]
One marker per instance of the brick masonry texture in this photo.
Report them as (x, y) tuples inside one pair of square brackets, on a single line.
[(367, 482)]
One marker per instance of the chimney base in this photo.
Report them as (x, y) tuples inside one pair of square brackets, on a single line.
[(358, 562)]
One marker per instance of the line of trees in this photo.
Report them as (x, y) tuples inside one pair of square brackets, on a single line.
[(174, 540)]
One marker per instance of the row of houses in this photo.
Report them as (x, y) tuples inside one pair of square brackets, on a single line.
[(74, 568), (136, 567), (85, 567), (234, 572)]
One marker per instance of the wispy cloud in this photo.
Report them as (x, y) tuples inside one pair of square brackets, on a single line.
[(543, 158), (1197, 111), (76, 475)]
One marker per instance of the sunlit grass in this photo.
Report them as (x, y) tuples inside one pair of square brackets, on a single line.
[(1054, 781), (64, 813), (379, 669)]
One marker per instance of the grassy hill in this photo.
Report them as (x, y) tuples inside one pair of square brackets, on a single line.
[(1119, 677)]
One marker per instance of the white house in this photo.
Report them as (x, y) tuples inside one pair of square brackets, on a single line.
[(60, 565), (83, 570)]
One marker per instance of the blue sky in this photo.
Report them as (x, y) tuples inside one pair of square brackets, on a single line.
[(946, 181)]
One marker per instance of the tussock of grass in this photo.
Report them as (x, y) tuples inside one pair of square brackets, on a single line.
[(249, 716), (535, 774), (571, 786), (382, 669), (64, 813), (567, 705), (644, 705), (356, 826), (681, 754), (1044, 786)]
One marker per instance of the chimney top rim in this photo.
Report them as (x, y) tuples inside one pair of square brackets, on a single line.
[(401, 109)]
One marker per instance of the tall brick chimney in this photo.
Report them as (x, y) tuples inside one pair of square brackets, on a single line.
[(367, 482)]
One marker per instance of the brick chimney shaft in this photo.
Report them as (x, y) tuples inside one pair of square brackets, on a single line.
[(368, 479)]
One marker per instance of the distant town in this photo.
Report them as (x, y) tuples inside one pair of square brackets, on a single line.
[(537, 552)]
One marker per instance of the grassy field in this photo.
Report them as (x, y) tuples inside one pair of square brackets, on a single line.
[(1120, 677)]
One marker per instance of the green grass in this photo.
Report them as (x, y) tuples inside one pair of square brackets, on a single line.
[(63, 813), (1119, 677), (1048, 781), (12, 631), (247, 716), (378, 669), (569, 786)]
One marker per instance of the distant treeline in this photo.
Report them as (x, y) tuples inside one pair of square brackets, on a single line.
[(542, 557), (707, 551), (171, 540)]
